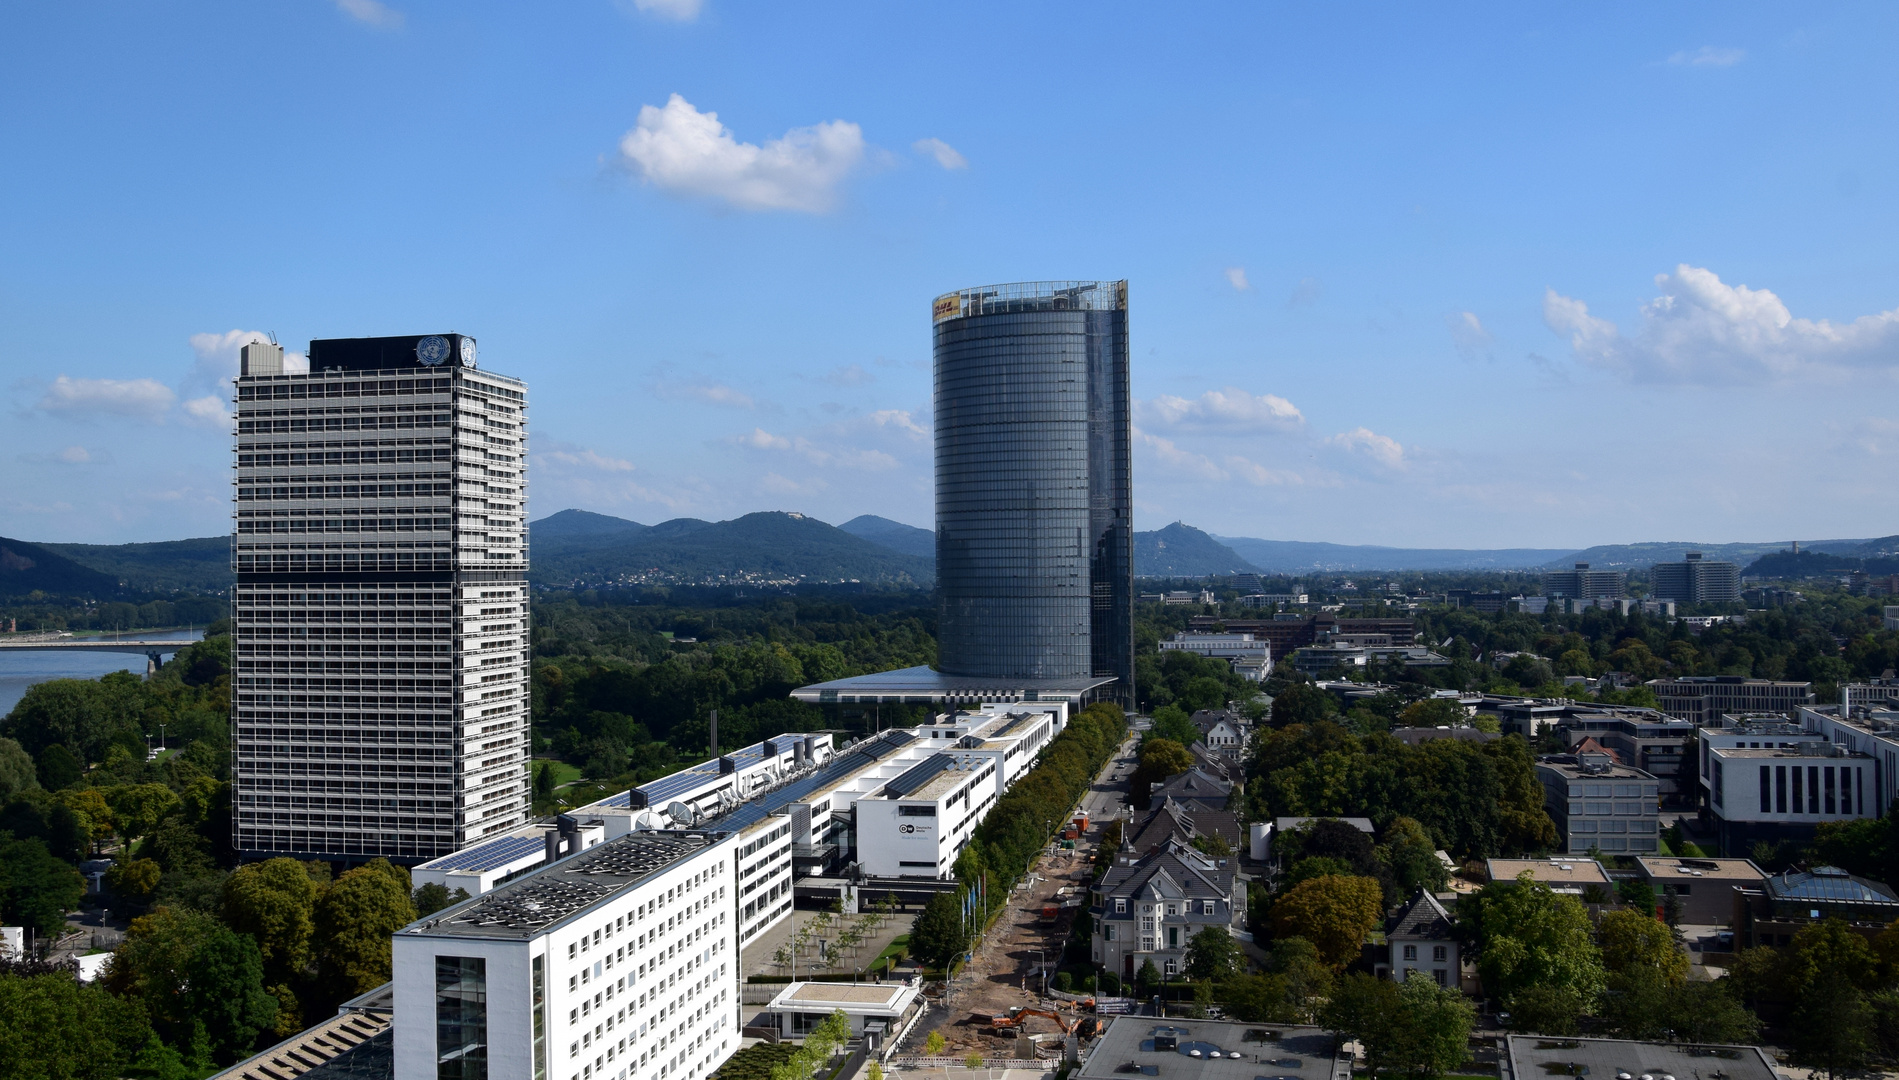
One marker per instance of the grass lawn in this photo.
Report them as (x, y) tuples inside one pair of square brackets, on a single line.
[(896, 948), (564, 774)]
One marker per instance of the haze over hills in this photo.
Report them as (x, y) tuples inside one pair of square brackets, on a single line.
[(582, 546), (893, 534), (760, 547)]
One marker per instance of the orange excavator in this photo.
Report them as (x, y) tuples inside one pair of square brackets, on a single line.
[(1013, 1019)]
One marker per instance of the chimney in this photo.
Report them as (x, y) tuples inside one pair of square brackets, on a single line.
[(715, 732)]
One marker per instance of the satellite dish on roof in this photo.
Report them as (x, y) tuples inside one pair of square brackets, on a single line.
[(643, 823), (679, 812)]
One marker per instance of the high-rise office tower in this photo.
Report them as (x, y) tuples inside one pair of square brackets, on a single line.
[(379, 688), (1695, 580), (1034, 486)]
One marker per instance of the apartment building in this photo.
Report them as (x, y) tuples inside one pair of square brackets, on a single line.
[(380, 646), (1696, 580), (1598, 803)]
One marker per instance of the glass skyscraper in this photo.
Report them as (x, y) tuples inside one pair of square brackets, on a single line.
[(1034, 489)]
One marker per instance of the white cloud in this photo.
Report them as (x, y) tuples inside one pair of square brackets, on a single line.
[(371, 13), (710, 391), (780, 484), (1380, 448), (1227, 409), (145, 399), (944, 153), (848, 457), (1236, 277), (1468, 333), (1259, 475), (1703, 330), (760, 439), (683, 150), (218, 356), (207, 411), (1177, 461), (1708, 56), (582, 458), (74, 455), (677, 10), (899, 419)]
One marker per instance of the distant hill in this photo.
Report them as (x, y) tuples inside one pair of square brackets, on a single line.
[(1806, 564), (771, 545), (1184, 551), (894, 535), (27, 568), (1299, 556), (198, 565), (573, 531), (1642, 556)]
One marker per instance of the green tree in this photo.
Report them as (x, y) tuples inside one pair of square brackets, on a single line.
[(133, 880), (1833, 1027), (1546, 1009), (1528, 936), (1308, 981), (1333, 912), (1257, 999), (59, 768), (1214, 954), (54, 1028), (936, 937), (36, 889), (1160, 759), (433, 897), (1634, 945), (1301, 703), (354, 919), (935, 1044), (1708, 1012), (1173, 722), (138, 808), (1147, 977), (274, 901), (226, 998), (16, 769), (1412, 857), (1417, 1029)]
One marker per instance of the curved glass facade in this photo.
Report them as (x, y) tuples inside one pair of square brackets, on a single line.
[(1034, 490)]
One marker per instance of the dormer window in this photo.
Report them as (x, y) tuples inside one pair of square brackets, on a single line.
[(1120, 905)]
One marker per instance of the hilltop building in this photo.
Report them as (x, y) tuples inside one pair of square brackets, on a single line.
[(1696, 580)]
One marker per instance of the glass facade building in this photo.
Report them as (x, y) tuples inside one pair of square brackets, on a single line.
[(1034, 485)]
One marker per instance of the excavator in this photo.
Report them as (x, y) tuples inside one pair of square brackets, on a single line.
[(1013, 1019)]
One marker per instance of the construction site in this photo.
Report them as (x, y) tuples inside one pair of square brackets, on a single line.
[(996, 1004)]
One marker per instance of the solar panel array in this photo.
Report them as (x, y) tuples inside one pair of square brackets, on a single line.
[(491, 854), (861, 756), (667, 788), (918, 775), (577, 882)]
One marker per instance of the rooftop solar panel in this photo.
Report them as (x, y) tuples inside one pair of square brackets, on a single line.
[(491, 854), (667, 788), (918, 775)]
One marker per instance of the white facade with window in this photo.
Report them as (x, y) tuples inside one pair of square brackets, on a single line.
[(620, 962)]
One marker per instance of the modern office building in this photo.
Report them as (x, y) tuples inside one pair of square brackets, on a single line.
[(1034, 503), (1585, 584), (1597, 803), (1034, 482), (380, 644), (1704, 699), (1696, 580)]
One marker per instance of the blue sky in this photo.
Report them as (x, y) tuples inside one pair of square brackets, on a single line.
[(1498, 276)]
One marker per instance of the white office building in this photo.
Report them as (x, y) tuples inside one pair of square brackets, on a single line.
[(380, 622), (619, 962), (1251, 657)]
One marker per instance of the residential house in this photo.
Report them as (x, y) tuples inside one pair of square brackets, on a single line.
[(1149, 906), (1420, 939)]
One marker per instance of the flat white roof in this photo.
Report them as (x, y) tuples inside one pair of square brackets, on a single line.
[(851, 997)]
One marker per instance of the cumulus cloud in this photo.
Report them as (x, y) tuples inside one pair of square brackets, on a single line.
[(1380, 448), (677, 10), (1702, 329), (1227, 409), (71, 455), (1180, 462), (1236, 277), (849, 375), (218, 356), (901, 420), (848, 457), (688, 152), (1708, 56), (144, 399), (371, 13), (207, 411), (944, 153), (1468, 334)]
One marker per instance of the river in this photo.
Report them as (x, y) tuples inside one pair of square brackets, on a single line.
[(22, 669)]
